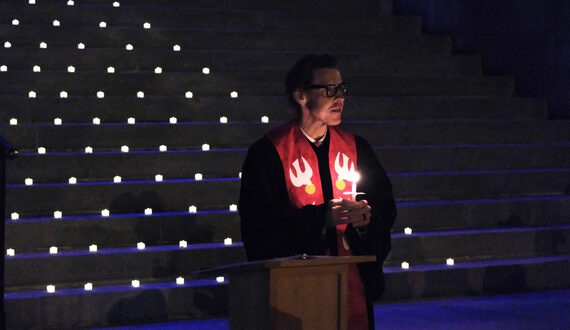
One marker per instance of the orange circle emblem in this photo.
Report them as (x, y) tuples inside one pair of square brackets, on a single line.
[(340, 184), (310, 189)]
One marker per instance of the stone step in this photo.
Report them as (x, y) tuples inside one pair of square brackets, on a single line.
[(28, 235), (190, 60), (191, 136), (219, 193), (196, 38), (161, 301), (247, 108), (59, 167), (86, 85), (171, 260), (196, 17)]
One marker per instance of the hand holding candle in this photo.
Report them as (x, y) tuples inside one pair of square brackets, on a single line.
[(344, 211)]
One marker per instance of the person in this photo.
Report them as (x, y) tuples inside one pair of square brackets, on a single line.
[(295, 195)]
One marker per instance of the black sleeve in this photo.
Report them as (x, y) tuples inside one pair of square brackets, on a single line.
[(270, 225)]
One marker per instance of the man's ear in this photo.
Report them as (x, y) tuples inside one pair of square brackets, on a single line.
[(299, 96)]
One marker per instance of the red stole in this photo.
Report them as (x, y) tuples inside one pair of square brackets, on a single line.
[(303, 182)]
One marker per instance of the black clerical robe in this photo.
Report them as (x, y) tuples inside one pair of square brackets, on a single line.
[(272, 227)]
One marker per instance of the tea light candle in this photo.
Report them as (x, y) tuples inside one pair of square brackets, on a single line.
[(176, 48), (228, 241), (92, 248), (72, 180), (102, 24), (29, 181), (53, 250), (70, 3), (3, 68), (135, 283), (57, 121), (189, 95), (140, 94), (158, 178), (10, 252), (116, 4), (198, 176), (56, 23), (220, 279), (192, 209), (183, 244), (110, 69), (15, 216), (158, 70), (131, 121), (57, 214), (224, 120), (146, 25), (32, 94), (37, 68), (63, 94), (15, 22), (32, 2), (405, 265), (140, 246), (129, 47), (41, 150), (50, 288), (13, 121), (88, 287), (239, 175), (233, 208), (105, 213), (265, 119), (43, 45), (88, 150), (408, 231), (173, 120), (80, 45), (450, 262), (100, 94), (7, 44), (206, 70), (96, 121), (125, 149), (71, 69), (148, 211), (205, 147), (234, 95), (180, 280), (162, 148)]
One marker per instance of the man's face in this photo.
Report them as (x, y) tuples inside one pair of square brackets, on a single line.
[(317, 106)]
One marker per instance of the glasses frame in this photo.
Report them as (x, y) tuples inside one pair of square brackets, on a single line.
[(332, 89)]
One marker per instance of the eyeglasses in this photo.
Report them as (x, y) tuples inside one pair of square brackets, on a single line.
[(332, 89)]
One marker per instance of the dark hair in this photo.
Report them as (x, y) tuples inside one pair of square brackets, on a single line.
[(301, 75)]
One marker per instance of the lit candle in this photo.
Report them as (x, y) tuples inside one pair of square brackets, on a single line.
[(176, 48), (57, 214), (158, 178), (7, 44), (15, 216), (183, 244), (355, 178), (43, 45), (192, 209), (129, 47), (92, 248), (41, 150), (100, 94), (180, 280), (239, 175), (135, 283), (70, 3), (234, 95), (110, 69), (162, 148), (224, 120), (206, 70), (32, 2), (228, 241), (125, 149), (71, 69), (37, 68), (158, 70), (198, 176), (173, 120), (88, 287), (205, 147), (11, 252), (29, 181), (15, 22), (102, 24), (50, 288), (72, 180), (131, 121), (408, 231), (405, 265), (63, 94), (264, 119), (140, 94), (57, 121), (116, 4), (13, 121), (450, 262), (146, 25), (189, 95), (3, 68), (88, 150), (140, 246), (53, 250), (32, 94), (96, 121), (148, 211), (220, 279), (117, 179), (105, 213), (233, 208), (56, 23), (80, 45)]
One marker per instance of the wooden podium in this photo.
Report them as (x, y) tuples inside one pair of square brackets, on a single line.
[(289, 293)]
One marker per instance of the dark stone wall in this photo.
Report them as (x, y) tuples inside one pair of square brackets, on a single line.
[(527, 39)]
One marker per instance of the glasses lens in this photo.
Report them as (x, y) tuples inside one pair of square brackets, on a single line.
[(332, 89)]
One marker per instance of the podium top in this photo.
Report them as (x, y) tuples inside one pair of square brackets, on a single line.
[(294, 261)]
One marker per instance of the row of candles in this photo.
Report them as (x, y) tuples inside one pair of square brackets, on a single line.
[(124, 149), (132, 120), (81, 45), (102, 24), (110, 69), (106, 213), (116, 4), (139, 94)]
